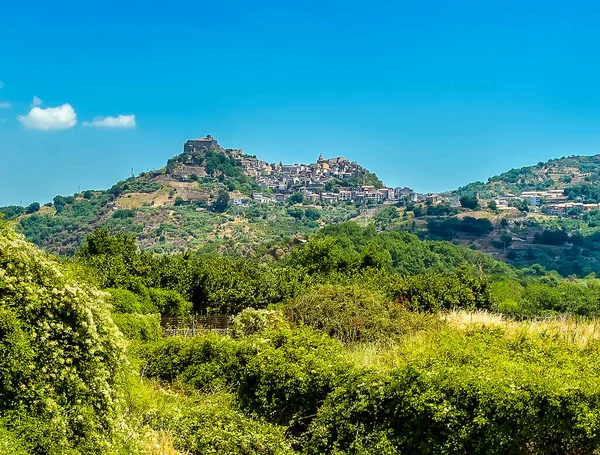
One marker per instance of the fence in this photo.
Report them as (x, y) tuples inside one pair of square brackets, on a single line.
[(192, 325)]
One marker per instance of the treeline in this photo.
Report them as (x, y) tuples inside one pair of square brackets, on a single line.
[(418, 275), (145, 283)]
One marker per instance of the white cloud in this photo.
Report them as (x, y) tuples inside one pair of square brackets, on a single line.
[(36, 101), (52, 118), (120, 121), (5, 105)]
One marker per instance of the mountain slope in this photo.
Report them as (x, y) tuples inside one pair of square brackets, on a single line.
[(556, 174), (209, 198)]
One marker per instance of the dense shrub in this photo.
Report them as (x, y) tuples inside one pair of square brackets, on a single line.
[(216, 427), (551, 237), (141, 327), (10, 443), (124, 301), (478, 390), (60, 355), (472, 393), (209, 362), (348, 313), (251, 321), (290, 376), (531, 298), (438, 291), (169, 302), (446, 228), (281, 375)]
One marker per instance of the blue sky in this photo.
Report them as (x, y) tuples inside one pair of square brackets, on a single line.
[(428, 94)]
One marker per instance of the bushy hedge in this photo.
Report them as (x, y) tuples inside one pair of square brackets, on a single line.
[(530, 298), (140, 327), (216, 427), (147, 301), (475, 391), (280, 374), (348, 313), (60, 355), (479, 393)]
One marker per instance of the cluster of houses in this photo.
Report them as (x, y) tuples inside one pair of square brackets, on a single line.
[(363, 193), (551, 202), (311, 180)]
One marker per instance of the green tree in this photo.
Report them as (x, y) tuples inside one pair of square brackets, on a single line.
[(33, 207), (469, 202), (222, 202), (296, 198)]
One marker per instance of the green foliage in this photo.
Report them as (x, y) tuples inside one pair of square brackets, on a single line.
[(346, 246), (442, 291), (283, 377), (141, 184), (296, 198), (312, 213), (250, 322), (122, 214), (60, 355), (222, 202), (203, 424), (551, 237), (473, 392), (440, 210), (469, 202), (33, 208), (207, 363), (12, 211), (447, 228), (216, 427), (72, 219), (140, 327), (348, 313), (124, 301), (11, 443), (371, 179), (449, 391), (147, 301), (385, 218), (584, 191), (541, 297)]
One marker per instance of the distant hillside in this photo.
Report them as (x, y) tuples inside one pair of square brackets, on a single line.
[(209, 198), (212, 199), (579, 172)]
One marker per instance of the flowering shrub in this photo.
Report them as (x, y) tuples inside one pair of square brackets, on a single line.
[(60, 355)]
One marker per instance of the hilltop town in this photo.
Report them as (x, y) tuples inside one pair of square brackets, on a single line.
[(325, 181)]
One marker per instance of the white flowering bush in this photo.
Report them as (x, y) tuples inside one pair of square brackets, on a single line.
[(60, 355)]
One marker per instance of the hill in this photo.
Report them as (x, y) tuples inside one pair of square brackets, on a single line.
[(579, 175), (207, 197), (546, 214), (212, 199)]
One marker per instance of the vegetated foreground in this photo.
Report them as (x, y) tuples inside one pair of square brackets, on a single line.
[(355, 342)]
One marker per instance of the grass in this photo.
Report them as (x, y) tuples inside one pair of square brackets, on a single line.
[(492, 331)]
